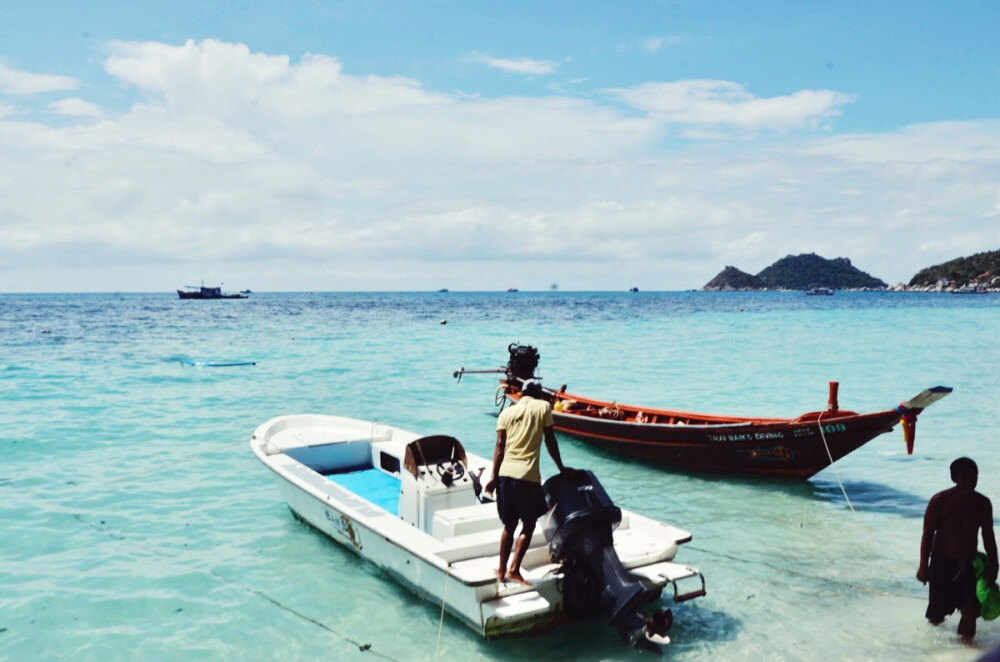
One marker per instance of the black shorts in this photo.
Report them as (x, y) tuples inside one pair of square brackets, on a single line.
[(519, 500), (951, 586)]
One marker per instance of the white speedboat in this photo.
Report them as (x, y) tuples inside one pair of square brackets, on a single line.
[(411, 505)]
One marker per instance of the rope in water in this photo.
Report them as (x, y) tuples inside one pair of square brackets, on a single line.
[(819, 422), (364, 648), (444, 594)]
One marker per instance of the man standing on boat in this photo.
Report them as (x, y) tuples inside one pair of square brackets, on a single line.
[(950, 541), (517, 478)]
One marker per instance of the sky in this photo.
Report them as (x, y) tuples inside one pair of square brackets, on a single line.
[(320, 145)]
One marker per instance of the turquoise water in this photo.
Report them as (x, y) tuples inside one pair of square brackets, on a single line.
[(138, 525)]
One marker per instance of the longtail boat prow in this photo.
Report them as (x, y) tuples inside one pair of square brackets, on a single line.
[(781, 447)]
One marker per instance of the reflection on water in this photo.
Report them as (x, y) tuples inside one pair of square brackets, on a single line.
[(865, 495)]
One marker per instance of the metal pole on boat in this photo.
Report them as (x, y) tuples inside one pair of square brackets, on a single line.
[(833, 406), (462, 371)]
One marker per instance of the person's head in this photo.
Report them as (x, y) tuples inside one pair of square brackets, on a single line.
[(965, 473), (532, 388)]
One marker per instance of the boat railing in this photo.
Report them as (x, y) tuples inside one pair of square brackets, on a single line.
[(670, 422)]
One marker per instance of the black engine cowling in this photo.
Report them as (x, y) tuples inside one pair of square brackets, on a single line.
[(580, 532), (522, 362)]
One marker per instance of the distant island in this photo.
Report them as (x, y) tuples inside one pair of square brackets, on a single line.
[(976, 274), (979, 272), (797, 272)]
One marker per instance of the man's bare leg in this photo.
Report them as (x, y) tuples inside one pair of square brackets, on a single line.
[(967, 626), (506, 541), (520, 549)]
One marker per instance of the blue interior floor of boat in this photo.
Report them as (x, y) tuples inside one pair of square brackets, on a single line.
[(372, 485)]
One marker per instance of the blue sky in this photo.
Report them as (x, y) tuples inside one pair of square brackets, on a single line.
[(472, 145)]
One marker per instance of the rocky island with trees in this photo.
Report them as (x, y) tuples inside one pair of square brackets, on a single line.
[(976, 273)]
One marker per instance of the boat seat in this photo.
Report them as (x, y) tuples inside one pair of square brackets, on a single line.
[(461, 521), (485, 543), (635, 549), (340, 455), (483, 569)]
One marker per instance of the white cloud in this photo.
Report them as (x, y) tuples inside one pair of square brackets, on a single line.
[(302, 176), (720, 103), (23, 83), (931, 145), (651, 44), (75, 108), (521, 65)]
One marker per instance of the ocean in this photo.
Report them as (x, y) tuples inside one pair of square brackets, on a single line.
[(138, 525)]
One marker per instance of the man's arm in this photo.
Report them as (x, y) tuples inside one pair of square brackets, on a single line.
[(927, 539), (497, 460), (989, 542), (553, 447)]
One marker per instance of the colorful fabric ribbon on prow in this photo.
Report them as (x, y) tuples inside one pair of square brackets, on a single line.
[(908, 419)]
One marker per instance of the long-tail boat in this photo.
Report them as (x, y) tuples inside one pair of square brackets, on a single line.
[(781, 447)]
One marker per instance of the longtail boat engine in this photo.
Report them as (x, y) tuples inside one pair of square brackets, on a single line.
[(523, 361)]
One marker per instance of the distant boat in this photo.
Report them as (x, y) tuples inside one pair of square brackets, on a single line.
[(512, 289), (202, 292), (443, 289), (819, 291), (969, 289), (633, 289)]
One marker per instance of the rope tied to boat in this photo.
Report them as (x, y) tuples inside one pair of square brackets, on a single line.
[(362, 647), (444, 601), (819, 423)]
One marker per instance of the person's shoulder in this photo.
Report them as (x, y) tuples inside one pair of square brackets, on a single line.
[(541, 405), (936, 500), (982, 499), (505, 415), (943, 494)]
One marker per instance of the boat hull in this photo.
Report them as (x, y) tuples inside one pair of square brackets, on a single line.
[(786, 450), (779, 447)]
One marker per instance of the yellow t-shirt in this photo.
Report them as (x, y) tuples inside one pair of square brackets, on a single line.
[(525, 423)]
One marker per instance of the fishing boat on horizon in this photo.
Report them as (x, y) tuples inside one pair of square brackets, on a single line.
[(202, 292), (796, 447), (413, 506)]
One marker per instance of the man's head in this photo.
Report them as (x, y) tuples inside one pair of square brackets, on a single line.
[(532, 388), (965, 473)]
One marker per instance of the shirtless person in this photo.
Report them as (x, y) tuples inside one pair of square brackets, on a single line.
[(952, 523), (516, 474)]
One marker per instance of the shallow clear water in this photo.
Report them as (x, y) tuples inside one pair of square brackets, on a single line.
[(138, 525)]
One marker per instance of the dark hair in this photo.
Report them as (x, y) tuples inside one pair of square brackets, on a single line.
[(962, 466), (532, 388)]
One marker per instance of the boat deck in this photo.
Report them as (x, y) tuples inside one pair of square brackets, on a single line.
[(373, 485)]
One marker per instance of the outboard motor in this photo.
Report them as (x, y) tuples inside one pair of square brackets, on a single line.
[(582, 519), (522, 362)]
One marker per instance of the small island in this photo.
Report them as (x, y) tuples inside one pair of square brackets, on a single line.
[(804, 272)]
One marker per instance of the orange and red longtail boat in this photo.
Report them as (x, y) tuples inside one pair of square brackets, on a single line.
[(781, 447)]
